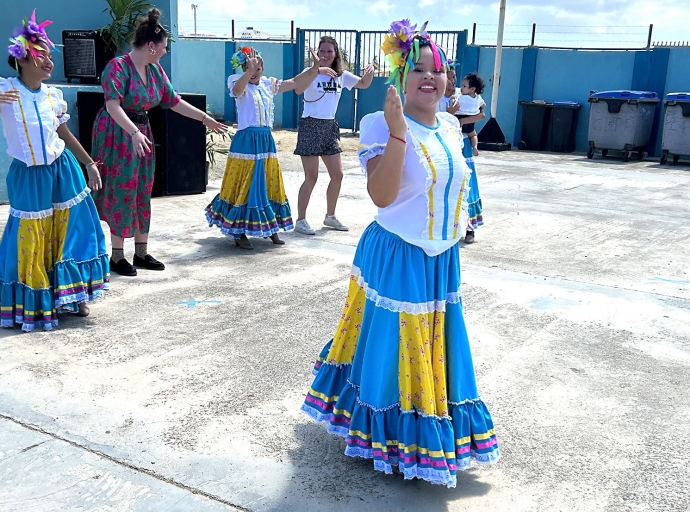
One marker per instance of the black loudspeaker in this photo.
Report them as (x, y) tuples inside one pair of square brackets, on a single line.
[(180, 150), (85, 55), (180, 143)]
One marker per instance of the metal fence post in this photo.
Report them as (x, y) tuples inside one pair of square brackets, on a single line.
[(357, 71), (534, 33), (649, 37)]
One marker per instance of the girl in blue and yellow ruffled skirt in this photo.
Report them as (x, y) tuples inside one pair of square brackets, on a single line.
[(397, 380), (252, 200), (52, 255)]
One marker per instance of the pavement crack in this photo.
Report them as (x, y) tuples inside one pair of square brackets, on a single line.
[(133, 467), (32, 446)]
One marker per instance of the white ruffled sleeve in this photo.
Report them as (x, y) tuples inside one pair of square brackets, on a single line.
[(5, 84), (373, 137), (272, 84), (232, 80), (59, 105)]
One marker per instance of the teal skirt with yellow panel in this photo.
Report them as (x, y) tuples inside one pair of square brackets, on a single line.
[(52, 254), (252, 200), (397, 380)]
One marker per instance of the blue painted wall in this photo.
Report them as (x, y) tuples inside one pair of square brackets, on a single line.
[(511, 66), (203, 70), (571, 74)]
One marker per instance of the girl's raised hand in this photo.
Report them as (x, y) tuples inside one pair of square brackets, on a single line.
[(252, 62), (393, 113), (369, 69)]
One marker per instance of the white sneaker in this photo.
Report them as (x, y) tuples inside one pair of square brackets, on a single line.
[(302, 226), (332, 222)]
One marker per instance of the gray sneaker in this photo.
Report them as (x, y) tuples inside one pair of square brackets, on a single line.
[(302, 226), (332, 222)]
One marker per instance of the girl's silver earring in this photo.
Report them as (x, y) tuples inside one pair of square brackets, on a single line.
[(153, 52)]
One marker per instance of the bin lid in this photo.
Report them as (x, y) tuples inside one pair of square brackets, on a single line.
[(678, 96), (625, 95), (566, 104)]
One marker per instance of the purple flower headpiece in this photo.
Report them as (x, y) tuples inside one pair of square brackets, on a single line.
[(402, 45), (27, 39)]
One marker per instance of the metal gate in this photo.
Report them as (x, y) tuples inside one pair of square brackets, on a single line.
[(360, 48)]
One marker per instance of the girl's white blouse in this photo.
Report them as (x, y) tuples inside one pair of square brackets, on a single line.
[(255, 104), (30, 124)]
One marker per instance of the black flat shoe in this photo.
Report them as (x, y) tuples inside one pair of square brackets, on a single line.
[(469, 236), (123, 267), (148, 262)]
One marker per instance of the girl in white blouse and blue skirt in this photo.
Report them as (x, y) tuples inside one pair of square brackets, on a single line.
[(52, 255), (397, 380), (252, 200)]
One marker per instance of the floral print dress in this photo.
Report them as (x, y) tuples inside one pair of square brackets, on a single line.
[(124, 202)]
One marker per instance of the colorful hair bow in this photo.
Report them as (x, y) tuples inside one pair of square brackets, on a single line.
[(402, 46), (27, 39), (239, 58)]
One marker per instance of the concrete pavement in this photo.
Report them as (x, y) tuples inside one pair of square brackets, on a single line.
[(182, 390)]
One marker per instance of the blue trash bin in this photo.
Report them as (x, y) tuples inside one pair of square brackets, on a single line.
[(621, 121)]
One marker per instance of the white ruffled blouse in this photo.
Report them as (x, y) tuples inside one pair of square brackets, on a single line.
[(431, 208), (30, 124), (255, 104)]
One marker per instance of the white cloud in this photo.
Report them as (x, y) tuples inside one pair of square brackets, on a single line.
[(382, 7)]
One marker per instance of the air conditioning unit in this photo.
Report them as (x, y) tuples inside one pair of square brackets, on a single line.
[(85, 55)]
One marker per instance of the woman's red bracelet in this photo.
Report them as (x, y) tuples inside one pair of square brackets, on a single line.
[(397, 138)]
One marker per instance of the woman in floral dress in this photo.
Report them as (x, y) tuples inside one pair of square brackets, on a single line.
[(121, 140)]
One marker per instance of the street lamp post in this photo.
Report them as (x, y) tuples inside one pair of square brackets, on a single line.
[(194, 8), (491, 136)]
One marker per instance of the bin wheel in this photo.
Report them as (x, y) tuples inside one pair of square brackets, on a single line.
[(640, 155), (664, 159), (590, 153), (604, 152), (522, 145), (676, 158), (626, 156)]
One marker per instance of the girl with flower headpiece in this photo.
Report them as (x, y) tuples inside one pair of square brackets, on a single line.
[(318, 133), (52, 255), (252, 200), (121, 138), (397, 380)]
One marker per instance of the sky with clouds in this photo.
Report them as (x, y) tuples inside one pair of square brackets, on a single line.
[(616, 23)]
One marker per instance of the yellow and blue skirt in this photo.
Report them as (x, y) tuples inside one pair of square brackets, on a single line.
[(397, 380), (252, 198), (53, 254), (474, 201)]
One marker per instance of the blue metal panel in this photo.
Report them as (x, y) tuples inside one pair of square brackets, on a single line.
[(371, 99), (289, 99), (649, 74), (470, 61), (230, 113), (526, 88)]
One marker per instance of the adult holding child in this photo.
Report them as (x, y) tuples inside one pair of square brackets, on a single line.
[(318, 134), (122, 140)]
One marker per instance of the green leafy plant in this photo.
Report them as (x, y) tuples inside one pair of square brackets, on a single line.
[(213, 142), (125, 16)]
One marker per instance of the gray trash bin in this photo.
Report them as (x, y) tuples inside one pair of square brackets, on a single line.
[(621, 121), (676, 138)]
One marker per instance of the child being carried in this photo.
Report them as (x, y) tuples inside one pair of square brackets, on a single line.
[(470, 104)]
